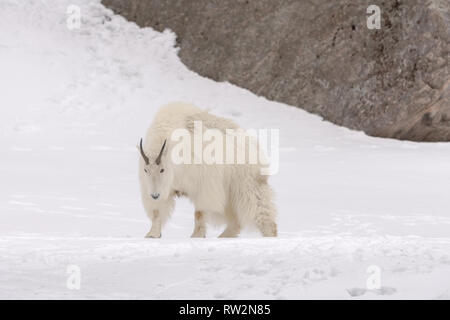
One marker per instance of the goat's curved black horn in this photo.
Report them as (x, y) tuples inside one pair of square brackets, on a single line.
[(158, 160), (147, 161)]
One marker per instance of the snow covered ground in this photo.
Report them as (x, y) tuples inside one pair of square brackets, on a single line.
[(73, 105)]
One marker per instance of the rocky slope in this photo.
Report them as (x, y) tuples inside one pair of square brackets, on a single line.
[(320, 56)]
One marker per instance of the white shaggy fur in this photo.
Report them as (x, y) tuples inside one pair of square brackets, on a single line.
[(234, 194)]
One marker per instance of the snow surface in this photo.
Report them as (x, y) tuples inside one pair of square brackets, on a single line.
[(74, 103)]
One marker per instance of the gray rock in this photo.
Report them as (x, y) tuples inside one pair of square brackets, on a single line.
[(319, 55)]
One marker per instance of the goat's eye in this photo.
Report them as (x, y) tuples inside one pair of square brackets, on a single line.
[(162, 170), (145, 170)]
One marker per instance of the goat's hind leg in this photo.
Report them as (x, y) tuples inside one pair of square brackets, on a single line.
[(266, 213), (266, 225), (232, 230)]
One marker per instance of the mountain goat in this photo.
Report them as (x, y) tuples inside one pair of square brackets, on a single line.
[(222, 193)]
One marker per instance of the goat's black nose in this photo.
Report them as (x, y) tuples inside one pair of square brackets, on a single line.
[(155, 195)]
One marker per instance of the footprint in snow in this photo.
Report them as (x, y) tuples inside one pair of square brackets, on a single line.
[(235, 113), (356, 292)]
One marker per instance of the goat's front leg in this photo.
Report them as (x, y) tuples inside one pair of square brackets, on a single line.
[(155, 231), (200, 225)]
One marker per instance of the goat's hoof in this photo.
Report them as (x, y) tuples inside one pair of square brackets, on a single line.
[(198, 236), (153, 236)]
